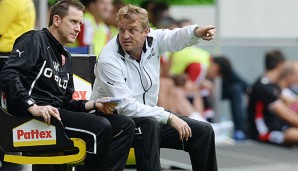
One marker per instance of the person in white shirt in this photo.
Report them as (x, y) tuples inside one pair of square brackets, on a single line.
[(128, 68)]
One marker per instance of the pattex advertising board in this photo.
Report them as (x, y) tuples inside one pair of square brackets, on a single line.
[(34, 133)]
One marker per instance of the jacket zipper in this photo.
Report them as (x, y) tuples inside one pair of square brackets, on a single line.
[(145, 91)]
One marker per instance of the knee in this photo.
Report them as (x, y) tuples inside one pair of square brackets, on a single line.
[(151, 124), (208, 128), (127, 123), (102, 125), (205, 129), (149, 121)]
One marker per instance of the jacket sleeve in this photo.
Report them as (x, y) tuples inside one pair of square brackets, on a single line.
[(109, 78), (175, 40), (24, 56), (69, 103)]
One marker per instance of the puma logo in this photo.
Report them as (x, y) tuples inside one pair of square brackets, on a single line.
[(111, 83), (19, 52)]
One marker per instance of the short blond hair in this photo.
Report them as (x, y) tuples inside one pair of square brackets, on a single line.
[(133, 12)]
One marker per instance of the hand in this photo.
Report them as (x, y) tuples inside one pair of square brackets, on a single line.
[(106, 107), (205, 33), (45, 111), (182, 127)]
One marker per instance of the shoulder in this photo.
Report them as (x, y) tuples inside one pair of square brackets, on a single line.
[(30, 36), (109, 53), (265, 86)]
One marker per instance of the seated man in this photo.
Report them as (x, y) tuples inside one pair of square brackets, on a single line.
[(128, 68), (38, 81), (270, 119)]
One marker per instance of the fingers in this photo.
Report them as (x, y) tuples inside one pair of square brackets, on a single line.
[(107, 110), (188, 133), (209, 32), (47, 117), (182, 127), (55, 113), (180, 134), (185, 133), (109, 107), (210, 27), (49, 111)]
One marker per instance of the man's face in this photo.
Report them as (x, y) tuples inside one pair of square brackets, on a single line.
[(69, 26), (213, 71), (132, 35), (103, 8)]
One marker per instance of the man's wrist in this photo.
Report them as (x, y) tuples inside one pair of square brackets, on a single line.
[(170, 118), (94, 105), (29, 102), (195, 31)]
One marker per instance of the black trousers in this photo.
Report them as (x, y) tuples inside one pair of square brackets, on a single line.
[(108, 138), (200, 146)]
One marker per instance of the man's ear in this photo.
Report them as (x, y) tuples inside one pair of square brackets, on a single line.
[(147, 31), (56, 20)]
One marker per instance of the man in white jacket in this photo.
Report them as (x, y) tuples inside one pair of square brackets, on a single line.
[(128, 68)]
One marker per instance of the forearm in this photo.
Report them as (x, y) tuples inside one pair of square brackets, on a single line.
[(177, 39), (90, 105), (286, 114), (75, 105)]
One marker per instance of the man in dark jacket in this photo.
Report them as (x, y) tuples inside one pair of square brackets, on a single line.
[(38, 80)]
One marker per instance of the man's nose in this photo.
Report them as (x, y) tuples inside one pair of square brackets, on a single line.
[(126, 34), (77, 27)]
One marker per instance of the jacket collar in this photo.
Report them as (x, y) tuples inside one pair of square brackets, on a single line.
[(147, 44)]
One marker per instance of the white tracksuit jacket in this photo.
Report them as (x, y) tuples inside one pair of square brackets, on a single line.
[(119, 75)]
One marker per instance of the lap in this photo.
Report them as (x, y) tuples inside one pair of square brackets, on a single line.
[(169, 137)]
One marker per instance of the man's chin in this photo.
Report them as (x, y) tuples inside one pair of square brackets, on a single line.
[(127, 49), (71, 40)]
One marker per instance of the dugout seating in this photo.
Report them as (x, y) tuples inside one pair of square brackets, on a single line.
[(70, 151), (31, 141), (28, 140)]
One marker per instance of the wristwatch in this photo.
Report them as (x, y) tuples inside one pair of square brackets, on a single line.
[(29, 102)]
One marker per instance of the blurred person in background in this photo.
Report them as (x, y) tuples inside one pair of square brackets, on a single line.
[(159, 11), (17, 17), (94, 31), (270, 118), (111, 21), (233, 88), (149, 5)]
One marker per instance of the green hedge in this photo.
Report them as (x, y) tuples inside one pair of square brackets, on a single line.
[(175, 2)]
